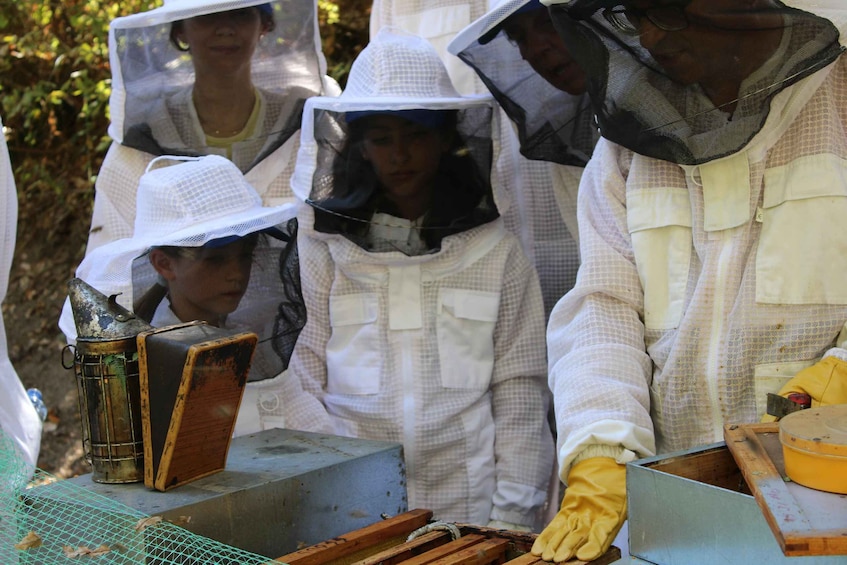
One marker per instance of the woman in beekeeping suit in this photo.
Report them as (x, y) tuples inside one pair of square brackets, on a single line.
[(426, 324), (197, 77)]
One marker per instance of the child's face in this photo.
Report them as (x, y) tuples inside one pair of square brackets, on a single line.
[(405, 155), (210, 282)]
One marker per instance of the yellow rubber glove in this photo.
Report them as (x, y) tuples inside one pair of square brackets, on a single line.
[(593, 511), (825, 382)]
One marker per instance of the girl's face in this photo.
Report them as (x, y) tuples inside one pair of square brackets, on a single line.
[(223, 41), (206, 283), (405, 155)]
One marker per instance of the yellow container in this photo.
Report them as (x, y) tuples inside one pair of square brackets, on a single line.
[(814, 444)]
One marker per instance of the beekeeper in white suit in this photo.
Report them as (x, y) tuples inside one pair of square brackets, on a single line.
[(713, 256), (425, 319), (18, 418)]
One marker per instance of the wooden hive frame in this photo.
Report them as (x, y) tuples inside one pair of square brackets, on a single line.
[(384, 543)]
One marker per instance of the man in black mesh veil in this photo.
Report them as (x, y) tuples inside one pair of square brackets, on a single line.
[(712, 271)]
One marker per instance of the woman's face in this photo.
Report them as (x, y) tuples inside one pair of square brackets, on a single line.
[(225, 41), (207, 283), (405, 155)]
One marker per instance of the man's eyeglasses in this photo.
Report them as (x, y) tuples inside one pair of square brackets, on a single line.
[(630, 20)]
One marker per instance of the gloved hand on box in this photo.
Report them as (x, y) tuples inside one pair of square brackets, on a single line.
[(825, 382), (593, 511)]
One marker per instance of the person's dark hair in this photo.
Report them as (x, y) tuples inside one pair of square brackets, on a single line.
[(266, 15), (462, 198)]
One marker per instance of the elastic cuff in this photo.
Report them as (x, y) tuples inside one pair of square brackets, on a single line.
[(837, 352), (616, 452)]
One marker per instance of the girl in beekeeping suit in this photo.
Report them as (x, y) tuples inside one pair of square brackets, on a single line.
[(426, 324), (205, 248), (198, 77), (539, 167)]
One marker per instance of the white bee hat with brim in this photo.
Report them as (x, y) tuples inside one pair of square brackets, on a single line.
[(396, 72), (182, 202)]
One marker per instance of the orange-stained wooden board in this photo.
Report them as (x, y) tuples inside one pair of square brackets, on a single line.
[(450, 550), (804, 521), (399, 554), (343, 549), (491, 551)]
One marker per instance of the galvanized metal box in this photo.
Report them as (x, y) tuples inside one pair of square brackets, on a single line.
[(693, 507), (280, 490)]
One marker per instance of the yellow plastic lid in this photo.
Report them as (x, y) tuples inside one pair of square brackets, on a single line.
[(820, 430)]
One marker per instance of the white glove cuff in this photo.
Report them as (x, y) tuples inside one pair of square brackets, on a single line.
[(837, 352)]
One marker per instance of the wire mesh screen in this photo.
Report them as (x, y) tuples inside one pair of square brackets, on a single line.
[(46, 521)]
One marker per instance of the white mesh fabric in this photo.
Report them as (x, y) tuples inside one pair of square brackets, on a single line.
[(438, 21), (397, 64), (386, 349), (17, 416), (195, 202), (697, 297), (115, 205)]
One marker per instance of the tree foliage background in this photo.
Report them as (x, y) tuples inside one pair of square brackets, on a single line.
[(54, 93)]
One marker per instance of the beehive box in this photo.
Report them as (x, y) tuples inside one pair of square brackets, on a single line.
[(696, 507), (385, 543)]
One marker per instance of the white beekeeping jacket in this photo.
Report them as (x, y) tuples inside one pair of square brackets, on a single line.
[(719, 280), (152, 112), (541, 194), (441, 350), (18, 418)]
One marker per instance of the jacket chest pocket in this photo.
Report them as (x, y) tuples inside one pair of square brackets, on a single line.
[(465, 328), (659, 224), (801, 257), (353, 350)]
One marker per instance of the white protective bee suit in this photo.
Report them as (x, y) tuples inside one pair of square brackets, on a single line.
[(440, 349), (541, 193), (18, 418), (712, 270), (152, 112)]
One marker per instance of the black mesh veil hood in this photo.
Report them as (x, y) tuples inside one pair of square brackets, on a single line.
[(552, 125), (641, 107)]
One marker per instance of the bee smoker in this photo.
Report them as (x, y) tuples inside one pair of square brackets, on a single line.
[(106, 368)]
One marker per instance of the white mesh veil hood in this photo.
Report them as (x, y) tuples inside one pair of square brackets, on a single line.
[(552, 125), (397, 71), (149, 74), (640, 107)]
